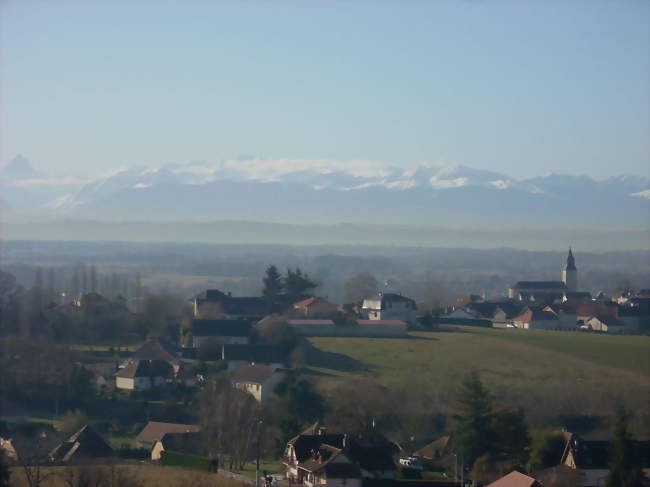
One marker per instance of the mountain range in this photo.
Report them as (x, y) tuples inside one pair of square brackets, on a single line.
[(321, 191)]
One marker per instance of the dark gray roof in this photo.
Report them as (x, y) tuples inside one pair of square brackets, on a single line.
[(217, 328), (84, 444), (146, 368), (257, 374), (393, 297), (551, 285), (259, 354)]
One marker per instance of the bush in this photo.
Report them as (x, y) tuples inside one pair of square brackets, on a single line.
[(195, 462)]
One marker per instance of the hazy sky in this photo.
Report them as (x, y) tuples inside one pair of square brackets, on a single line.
[(521, 87)]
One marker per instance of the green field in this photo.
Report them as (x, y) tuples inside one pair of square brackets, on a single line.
[(548, 373)]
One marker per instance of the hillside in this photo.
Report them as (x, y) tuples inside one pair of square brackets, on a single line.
[(552, 375)]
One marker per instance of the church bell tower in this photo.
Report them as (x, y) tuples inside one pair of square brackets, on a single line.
[(570, 273)]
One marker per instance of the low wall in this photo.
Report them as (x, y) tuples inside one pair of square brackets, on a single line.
[(367, 331)]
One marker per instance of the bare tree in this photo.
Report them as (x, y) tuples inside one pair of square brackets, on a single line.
[(360, 286), (230, 423)]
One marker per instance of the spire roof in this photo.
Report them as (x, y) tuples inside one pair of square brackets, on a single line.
[(570, 261)]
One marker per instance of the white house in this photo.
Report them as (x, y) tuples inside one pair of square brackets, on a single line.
[(258, 380), (608, 324), (144, 374), (389, 306)]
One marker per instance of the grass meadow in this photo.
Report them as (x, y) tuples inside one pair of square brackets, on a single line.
[(137, 475), (550, 374)]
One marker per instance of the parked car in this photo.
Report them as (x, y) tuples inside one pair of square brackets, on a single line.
[(411, 462)]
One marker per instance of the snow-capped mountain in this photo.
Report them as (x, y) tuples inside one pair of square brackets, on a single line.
[(321, 190)]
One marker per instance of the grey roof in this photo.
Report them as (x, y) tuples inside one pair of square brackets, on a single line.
[(217, 328), (84, 444), (259, 354), (257, 374), (155, 430), (146, 368), (541, 285)]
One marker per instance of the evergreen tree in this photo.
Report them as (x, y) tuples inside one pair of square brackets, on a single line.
[(474, 432), (625, 470), (511, 434), (5, 472), (273, 285), (296, 285)]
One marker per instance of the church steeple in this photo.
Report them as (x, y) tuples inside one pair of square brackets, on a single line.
[(570, 273), (570, 262)]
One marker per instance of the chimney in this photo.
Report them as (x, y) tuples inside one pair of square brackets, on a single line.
[(345, 440), (229, 294)]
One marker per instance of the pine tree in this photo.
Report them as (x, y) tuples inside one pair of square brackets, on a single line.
[(297, 284), (273, 285), (474, 431), (5, 472), (625, 470)]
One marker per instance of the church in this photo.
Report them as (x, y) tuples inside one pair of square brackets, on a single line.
[(550, 291)]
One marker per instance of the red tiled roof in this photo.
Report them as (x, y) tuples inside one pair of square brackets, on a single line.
[(310, 322), (381, 322), (515, 479), (155, 430), (536, 315)]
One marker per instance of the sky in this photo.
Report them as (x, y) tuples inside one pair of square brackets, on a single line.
[(522, 88)]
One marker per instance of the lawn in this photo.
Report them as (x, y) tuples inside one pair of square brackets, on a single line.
[(249, 469), (547, 373), (140, 475), (627, 352)]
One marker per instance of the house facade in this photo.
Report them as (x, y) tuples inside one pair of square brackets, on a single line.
[(315, 457), (221, 331), (538, 319), (155, 430), (258, 380), (389, 306), (144, 374)]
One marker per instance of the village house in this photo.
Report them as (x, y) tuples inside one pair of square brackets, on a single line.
[(155, 430), (144, 374), (315, 306), (187, 443), (608, 324), (220, 331), (498, 312), (353, 460), (213, 304), (537, 319), (329, 466), (591, 459), (436, 450), (258, 380), (83, 446), (389, 306)]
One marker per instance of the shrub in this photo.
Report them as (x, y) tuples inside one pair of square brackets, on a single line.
[(195, 462)]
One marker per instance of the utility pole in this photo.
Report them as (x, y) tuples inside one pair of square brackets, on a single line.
[(257, 460)]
